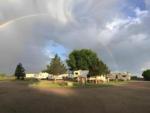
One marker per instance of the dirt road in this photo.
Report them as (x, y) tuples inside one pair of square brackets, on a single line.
[(16, 97)]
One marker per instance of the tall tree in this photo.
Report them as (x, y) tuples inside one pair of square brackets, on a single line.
[(86, 59), (20, 72), (56, 66), (146, 75)]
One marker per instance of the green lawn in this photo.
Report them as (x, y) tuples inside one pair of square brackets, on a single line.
[(3, 77), (59, 84), (67, 84)]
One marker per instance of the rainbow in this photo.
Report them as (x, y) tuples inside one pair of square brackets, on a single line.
[(36, 15), (20, 18)]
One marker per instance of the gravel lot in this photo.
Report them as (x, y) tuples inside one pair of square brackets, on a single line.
[(16, 97)]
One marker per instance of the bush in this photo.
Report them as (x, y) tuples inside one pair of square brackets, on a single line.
[(134, 78), (146, 75), (2, 75)]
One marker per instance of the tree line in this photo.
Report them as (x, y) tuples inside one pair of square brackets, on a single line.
[(84, 59)]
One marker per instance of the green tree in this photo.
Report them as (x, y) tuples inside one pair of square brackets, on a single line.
[(86, 59), (146, 75), (20, 72), (56, 66)]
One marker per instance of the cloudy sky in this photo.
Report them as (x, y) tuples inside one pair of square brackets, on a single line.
[(32, 31)]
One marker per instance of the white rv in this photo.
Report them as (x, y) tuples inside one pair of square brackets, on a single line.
[(119, 76), (80, 73), (30, 75), (42, 76), (38, 76), (58, 77)]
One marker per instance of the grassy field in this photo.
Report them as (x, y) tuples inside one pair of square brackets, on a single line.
[(3, 77), (59, 84), (37, 97), (68, 84), (34, 83)]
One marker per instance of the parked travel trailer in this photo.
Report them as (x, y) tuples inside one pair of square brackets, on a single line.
[(58, 77), (97, 79), (42, 76), (80, 73), (119, 76), (30, 75), (38, 76)]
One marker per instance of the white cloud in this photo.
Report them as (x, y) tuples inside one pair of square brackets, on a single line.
[(138, 38), (60, 9), (140, 12)]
